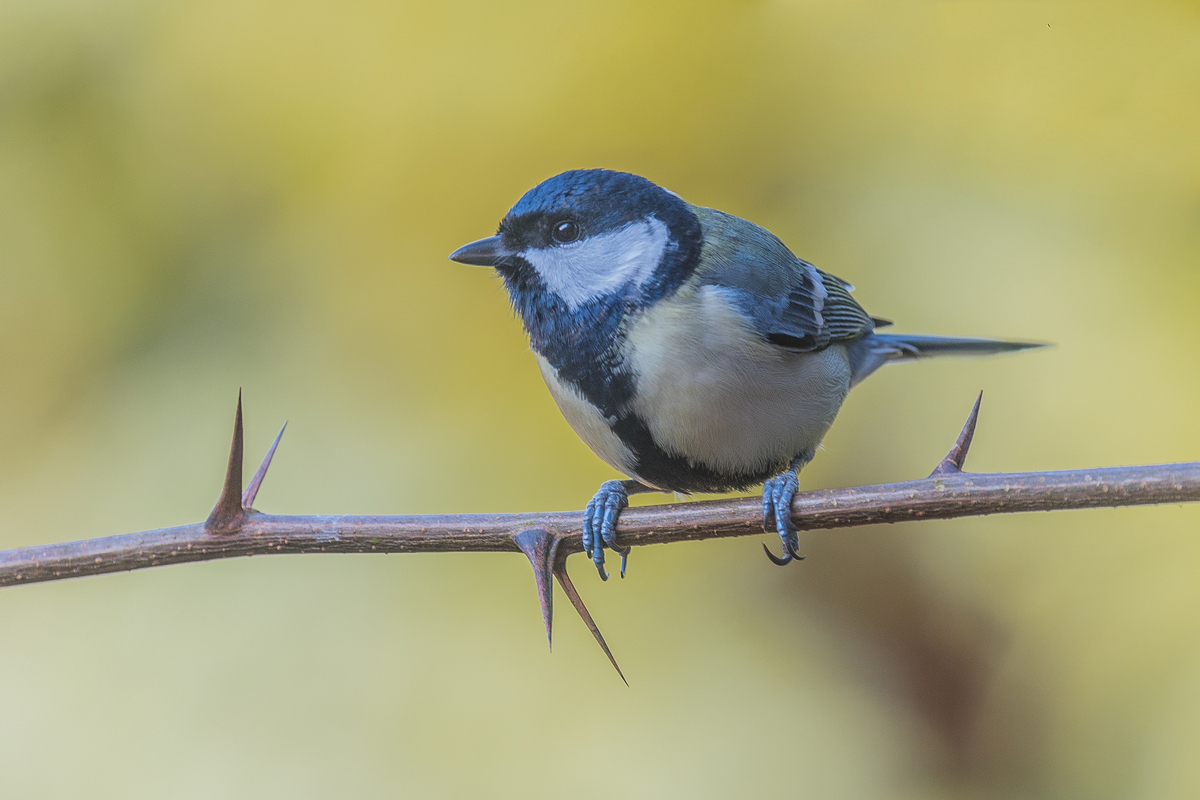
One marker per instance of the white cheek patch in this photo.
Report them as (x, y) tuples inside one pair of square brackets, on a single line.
[(591, 268)]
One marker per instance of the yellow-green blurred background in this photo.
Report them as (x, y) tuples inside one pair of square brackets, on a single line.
[(201, 195)]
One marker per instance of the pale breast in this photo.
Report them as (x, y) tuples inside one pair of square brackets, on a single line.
[(587, 421), (711, 390)]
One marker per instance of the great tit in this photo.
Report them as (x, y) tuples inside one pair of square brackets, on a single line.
[(689, 348)]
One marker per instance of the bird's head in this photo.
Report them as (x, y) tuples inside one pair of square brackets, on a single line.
[(589, 235)]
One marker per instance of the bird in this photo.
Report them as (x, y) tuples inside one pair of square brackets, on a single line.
[(689, 348)]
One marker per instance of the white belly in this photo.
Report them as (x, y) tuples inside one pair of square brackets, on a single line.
[(711, 390), (587, 421)]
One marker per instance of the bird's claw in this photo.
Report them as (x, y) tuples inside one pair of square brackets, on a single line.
[(777, 512), (776, 560), (600, 524)]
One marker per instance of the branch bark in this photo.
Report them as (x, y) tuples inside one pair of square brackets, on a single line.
[(236, 529), (965, 494)]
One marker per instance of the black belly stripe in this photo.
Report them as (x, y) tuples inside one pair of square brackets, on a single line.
[(678, 474)]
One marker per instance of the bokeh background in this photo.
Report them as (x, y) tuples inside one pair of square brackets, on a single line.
[(202, 195)]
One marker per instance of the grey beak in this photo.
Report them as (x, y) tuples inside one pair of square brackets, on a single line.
[(483, 253)]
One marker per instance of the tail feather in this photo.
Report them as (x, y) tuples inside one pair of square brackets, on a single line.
[(872, 352)]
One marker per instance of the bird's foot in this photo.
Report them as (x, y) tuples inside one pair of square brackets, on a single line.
[(777, 512), (600, 522)]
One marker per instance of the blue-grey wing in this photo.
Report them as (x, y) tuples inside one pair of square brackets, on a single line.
[(814, 313), (789, 301)]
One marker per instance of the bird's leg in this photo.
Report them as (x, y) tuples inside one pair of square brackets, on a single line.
[(777, 508), (600, 521)]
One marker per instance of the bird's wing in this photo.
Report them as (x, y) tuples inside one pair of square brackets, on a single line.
[(789, 302)]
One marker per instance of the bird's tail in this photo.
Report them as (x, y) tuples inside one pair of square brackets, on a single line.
[(872, 352)]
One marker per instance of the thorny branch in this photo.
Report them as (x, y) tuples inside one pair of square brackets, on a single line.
[(235, 528)]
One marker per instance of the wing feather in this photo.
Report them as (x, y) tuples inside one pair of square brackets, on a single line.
[(790, 302)]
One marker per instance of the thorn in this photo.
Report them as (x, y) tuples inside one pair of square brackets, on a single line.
[(954, 460), (255, 482), (227, 515), (564, 580), (540, 547)]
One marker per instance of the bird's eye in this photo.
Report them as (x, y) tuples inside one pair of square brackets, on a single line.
[(565, 231)]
